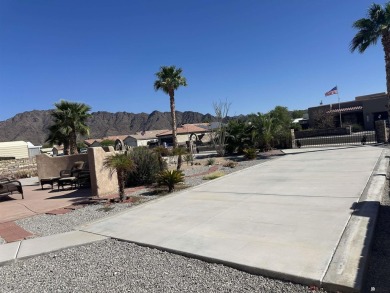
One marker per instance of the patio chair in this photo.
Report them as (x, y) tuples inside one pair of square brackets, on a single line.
[(74, 176), (8, 187)]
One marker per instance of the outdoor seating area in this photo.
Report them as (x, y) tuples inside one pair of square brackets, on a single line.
[(8, 186), (77, 176)]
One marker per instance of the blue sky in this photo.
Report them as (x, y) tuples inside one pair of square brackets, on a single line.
[(255, 54)]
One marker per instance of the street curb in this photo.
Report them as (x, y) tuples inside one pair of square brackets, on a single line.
[(349, 263)]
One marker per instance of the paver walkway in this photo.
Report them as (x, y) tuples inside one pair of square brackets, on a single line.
[(283, 218), (38, 201)]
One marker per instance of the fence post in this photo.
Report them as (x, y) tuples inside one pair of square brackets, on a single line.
[(380, 131), (293, 145)]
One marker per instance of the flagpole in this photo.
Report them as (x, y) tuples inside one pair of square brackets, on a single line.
[(338, 97)]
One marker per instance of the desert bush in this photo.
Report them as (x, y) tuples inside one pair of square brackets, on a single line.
[(25, 174), (147, 167), (189, 159), (213, 175), (170, 178), (210, 161), (230, 164), (180, 152), (250, 154)]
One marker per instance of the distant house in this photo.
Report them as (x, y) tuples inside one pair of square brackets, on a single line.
[(58, 150), (33, 150), (144, 138), (95, 142), (14, 149), (92, 142), (363, 111), (196, 132)]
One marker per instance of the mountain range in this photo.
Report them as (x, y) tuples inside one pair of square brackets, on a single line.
[(32, 125)]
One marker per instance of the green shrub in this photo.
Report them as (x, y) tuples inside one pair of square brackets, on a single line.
[(250, 154), (189, 159), (210, 161), (170, 178), (213, 175), (147, 166)]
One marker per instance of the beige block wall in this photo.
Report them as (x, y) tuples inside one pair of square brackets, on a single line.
[(51, 166), (103, 182)]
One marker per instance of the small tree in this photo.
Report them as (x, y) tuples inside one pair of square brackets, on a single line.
[(239, 136), (322, 120), (218, 128), (122, 164)]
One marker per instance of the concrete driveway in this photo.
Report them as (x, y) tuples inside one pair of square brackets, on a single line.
[(283, 218)]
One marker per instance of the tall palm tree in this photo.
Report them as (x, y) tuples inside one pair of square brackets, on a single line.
[(370, 29), (169, 79), (70, 120), (122, 164)]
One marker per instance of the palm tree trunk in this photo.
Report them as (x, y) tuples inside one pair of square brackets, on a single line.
[(173, 116), (121, 184), (179, 161), (66, 148), (73, 143), (386, 47)]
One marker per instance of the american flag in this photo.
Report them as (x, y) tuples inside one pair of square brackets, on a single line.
[(333, 91)]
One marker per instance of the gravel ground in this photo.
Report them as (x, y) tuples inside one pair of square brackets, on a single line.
[(196, 180), (114, 266), (44, 225)]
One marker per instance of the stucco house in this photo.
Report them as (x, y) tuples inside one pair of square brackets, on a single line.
[(58, 150), (196, 132), (363, 111), (143, 138)]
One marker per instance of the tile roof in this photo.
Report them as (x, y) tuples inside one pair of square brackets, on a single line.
[(186, 128), (149, 134), (343, 110), (89, 142)]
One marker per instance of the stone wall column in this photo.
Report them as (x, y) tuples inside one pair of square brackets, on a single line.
[(103, 181), (380, 131), (293, 144)]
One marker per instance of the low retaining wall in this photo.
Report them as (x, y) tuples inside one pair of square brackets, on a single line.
[(18, 168), (51, 166)]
